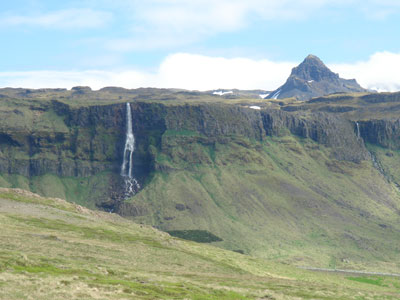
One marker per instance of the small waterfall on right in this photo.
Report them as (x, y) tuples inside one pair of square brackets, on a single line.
[(358, 130), (131, 184), (375, 161)]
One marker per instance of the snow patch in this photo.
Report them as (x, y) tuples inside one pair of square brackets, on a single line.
[(221, 93), (263, 96), (309, 81), (255, 107)]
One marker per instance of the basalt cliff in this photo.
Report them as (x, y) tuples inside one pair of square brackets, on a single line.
[(312, 183)]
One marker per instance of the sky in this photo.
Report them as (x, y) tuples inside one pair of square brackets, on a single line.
[(195, 44)]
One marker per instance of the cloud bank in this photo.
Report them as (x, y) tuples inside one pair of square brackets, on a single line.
[(380, 72), (198, 72)]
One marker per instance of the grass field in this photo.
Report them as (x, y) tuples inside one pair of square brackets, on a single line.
[(51, 249)]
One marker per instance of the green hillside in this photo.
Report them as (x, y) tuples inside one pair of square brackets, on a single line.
[(284, 198), (311, 184), (51, 249)]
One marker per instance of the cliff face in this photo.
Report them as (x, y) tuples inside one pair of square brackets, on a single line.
[(329, 130), (385, 133), (85, 144), (77, 142), (263, 181), (85, 141), (90, 141)]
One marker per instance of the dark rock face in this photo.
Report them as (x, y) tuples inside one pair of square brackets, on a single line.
[(88, 145), (313, 79), (215, 120), (89, 140), (95, 135), (385, 133), (323, 128)]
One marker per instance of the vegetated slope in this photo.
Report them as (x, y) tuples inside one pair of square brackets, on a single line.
[(51, 249), (313, 79), (285, 198), (299, 186)]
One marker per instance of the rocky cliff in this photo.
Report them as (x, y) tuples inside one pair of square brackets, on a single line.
[(385, 133), (269, 182), (81, 141)]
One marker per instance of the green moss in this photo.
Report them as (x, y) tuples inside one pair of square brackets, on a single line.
[(84, 191), (4, 182), (374, 281), (168, 290), (87, 232), (73, 255), (49, 185), (47, 269), (280, 198), (172, 133), (200, 236), (29, 199)]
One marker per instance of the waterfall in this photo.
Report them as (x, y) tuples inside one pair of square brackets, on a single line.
[(358, 130), (126, 168), (131, 184)]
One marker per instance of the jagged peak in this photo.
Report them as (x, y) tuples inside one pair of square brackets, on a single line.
[(312, 78), (312, 57), (312, 68)]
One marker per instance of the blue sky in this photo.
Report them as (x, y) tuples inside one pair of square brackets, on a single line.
[(197, 44)]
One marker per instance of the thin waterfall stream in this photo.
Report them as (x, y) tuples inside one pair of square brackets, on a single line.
[(376, 163), (131, 184), (358, 130)]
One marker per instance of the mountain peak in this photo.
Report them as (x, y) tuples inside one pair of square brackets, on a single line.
[(312, 78), (312, 57), (312, 68)]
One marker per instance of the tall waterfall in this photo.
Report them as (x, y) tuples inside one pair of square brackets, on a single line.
[(131, 184)]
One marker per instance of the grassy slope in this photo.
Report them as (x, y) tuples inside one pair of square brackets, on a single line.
[(74, 189), (285, 198), (51, 249)]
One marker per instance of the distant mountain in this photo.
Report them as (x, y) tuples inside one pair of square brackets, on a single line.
[(313, 79)]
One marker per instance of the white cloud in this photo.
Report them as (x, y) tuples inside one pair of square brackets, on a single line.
[(380, 9), (198, 72), (380, 72), (68, 79), (61, 19), (188, 71), (167, 23), (171, 23), (204, 73)]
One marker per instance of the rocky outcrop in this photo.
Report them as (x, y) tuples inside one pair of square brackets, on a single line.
[(329, 130), (83, 141), (92, 138), (85, 144), (90, 141), (385, 133), (219, 121), (313, 79), (215, 120)]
